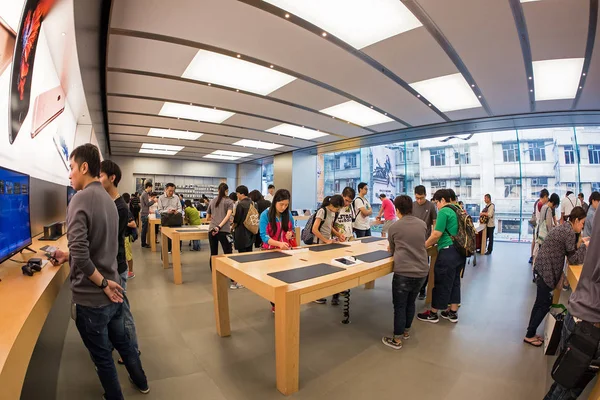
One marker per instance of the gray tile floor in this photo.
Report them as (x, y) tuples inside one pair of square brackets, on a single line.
[(481, 357)]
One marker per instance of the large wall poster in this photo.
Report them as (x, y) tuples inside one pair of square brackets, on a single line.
[(383, 179)]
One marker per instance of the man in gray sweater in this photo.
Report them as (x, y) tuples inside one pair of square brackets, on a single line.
[(92, 230), (407, 244)]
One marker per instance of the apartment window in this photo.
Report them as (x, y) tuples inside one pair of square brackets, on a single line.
[(594, 154), (437, 157), (569, 155), (572, 186), (537, 151), (595, 186), (336, 186), (336, 163), (512, 187), (352, 183), (537, 184), (435, 185), (462, 158), (510, 152), (466, 190), (350, 161)]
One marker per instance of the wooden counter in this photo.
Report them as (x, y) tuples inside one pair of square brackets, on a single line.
[(188, 232), (288, 297), (153, 222), (25, 302)]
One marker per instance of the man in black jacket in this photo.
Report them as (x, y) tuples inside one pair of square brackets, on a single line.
[(243, 239)]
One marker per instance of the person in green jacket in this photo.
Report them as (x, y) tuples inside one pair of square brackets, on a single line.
[(192, 216)]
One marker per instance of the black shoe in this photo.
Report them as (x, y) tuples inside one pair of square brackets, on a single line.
[(450, 315), (487, 253), (422, 296), (321, 301), (335, 300), (145, 391), (531, 260), (428, 316), (146, 246)]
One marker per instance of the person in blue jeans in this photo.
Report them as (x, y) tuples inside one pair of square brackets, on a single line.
[(92, 232), (407, 244)]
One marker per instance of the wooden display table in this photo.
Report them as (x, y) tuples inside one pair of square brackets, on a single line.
[(188, 232), (152, 223), (481, 228), (25, 304), (288, 297)]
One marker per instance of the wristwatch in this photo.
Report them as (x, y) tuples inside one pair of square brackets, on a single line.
[(103, 284)]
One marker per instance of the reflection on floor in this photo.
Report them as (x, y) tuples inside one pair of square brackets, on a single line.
[(481, 357)]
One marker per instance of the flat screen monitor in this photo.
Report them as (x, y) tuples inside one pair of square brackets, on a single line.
[(202, 214), (70, 193), (15, 225)]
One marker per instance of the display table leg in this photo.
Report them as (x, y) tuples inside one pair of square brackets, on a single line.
[(287, 340), (165, 252), (221, 300), (152, 230), (483, 240), (176, 252)]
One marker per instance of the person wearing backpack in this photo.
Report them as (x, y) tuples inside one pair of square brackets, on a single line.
[(362, 210), (449, 263), (487, 217), (545, 223), (323, 229), (243, 237), (535, 217)]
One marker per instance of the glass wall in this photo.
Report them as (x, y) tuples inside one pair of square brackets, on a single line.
[(512, 166), (266, 177)]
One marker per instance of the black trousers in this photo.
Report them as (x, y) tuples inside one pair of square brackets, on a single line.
[(213, 241), (490, 238), (543, 301), (446, 289)]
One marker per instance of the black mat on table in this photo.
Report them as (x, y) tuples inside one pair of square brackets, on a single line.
[(372, 239), (325, 247), (374, 256), (190, 230), (305, 273), (259, 256)]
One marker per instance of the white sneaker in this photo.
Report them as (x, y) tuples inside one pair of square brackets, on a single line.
[(233, 286)]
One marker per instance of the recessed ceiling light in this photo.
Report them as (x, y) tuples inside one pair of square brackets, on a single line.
[(287, 15), (583, 74), (359, 23), (356, 113), (448, 93), (257, 144), (296, 131), (227, 71), (226, 155), (473, 85), (528, 1), (238, 56), (163, 149), (173, 134), (194, 113), (557, 79), (271, 66), (324, 34)]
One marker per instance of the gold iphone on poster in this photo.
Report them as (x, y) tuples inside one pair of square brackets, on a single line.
[(47, 107), (7, 45)]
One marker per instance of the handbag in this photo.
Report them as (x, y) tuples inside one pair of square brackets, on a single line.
[(171, 220), (573, 367), (554, 324), (542, 232)]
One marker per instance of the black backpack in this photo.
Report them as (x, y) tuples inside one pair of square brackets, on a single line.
[(307, 235)]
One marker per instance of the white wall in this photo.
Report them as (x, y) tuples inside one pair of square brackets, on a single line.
[(304, 180), (250, 176), (158, 166)]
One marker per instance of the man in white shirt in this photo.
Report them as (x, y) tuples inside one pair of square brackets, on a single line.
[(567, 205), (168, 203), (343, 222), (362, 210), (271, 193)]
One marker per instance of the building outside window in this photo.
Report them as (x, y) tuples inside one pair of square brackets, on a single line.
[(437, 157), (350, 161), (594, 154), (436, 185), (595, 186), (571, 186), (336, 163), (537, 151), (510, 152), (569, 155), (266, 176), (512, 187), (537, 184)]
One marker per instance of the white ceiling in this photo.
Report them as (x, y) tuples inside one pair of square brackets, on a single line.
[(482, 33)]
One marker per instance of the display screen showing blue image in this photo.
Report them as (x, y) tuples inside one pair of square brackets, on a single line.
[(15, 228)]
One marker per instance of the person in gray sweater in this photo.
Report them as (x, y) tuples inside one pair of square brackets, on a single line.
[(92, 230), (406, 239)]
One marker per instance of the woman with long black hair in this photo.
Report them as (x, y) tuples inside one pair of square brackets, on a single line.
[(219, 214), (276, 224)]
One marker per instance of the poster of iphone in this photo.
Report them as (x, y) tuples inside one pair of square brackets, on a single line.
[(34, 12), (63, 149)]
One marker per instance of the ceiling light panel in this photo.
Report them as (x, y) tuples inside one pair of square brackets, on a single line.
[(257, 144), (296, 131), (173, 134), (226, 155), (163, 149), (357, 22), (557, 79), (194, 113), (448, 93), (357, 114), (235, 73)]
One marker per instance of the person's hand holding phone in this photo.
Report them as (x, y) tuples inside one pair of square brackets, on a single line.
[(59, 257), (586, 241), (283, 245)]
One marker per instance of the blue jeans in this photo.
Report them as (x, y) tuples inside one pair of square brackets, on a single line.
[(543, 301), (362, 232), (557, 391), (101, 328), (404, 294), (196, 245), (447, 269), (144, 229), (127, 316)]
